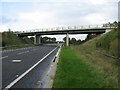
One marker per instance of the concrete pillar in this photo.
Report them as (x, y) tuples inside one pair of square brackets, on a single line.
[(39, 40), (67, 39), (35, 39)]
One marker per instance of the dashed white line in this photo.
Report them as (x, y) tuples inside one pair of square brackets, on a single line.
[(26, 72), (16, 61)]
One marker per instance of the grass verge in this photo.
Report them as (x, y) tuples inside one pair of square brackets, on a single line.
[(74, 72)]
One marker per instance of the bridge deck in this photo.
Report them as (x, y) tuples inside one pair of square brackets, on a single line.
[(64, 30)]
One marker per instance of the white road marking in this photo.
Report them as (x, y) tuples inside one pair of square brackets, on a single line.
[(26, 72), (3, 57), (16, 61)]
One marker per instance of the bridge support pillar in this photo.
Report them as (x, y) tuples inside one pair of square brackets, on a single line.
[(37, 39), (67, 39)]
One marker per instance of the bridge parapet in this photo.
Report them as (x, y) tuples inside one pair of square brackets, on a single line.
[(81, 27)]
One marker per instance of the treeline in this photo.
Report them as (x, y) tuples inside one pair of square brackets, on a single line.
[(45, 40), (79, 41), (114, 24)]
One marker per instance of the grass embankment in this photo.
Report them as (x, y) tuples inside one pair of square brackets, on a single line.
[(11, 41), (108, 43), (82, 66)]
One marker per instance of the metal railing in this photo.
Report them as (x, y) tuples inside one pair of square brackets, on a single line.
[(82, 27)]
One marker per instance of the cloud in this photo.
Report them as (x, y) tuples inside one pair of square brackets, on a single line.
[(46, 14), (95, 18), (97, 2), (3, 28), (32, 20), (7, 20), (37, 16)]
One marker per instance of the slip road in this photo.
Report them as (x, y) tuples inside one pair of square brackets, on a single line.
[(25, 68)]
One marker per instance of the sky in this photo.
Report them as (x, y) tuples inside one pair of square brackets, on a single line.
[(26, 15)]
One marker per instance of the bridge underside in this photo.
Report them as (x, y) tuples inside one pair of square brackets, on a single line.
[(61, 32), (88, 31)]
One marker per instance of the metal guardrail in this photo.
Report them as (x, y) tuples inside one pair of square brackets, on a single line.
[(68, 28)]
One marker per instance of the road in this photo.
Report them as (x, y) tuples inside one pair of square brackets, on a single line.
[(25, 68)]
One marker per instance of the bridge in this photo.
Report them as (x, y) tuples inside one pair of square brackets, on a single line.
[(90, 29)]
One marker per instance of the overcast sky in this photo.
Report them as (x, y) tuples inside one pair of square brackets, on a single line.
[(22, 15)]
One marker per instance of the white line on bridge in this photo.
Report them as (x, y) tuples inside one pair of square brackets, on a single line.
[(26, 72)]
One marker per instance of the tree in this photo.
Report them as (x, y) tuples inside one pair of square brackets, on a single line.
[(53, 39), (88, 37), (45, 39), (48, 40), (64, 39), (115, 23), (73, 41), (32, 39), (3, 43), (9, 30), (79, 41)]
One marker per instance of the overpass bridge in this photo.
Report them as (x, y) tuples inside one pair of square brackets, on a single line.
[(90, 29)]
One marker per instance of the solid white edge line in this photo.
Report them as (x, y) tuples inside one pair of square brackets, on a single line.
[(21, 76), (43, 80)]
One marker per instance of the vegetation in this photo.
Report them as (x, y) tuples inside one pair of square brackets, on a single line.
[(11, 41), (74, 72), (95, 55), (46, 40), (86, 65), (108, 43), (90, 36), (73, 41)]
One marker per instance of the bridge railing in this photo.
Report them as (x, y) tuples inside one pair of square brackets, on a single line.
[(82, 27)]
